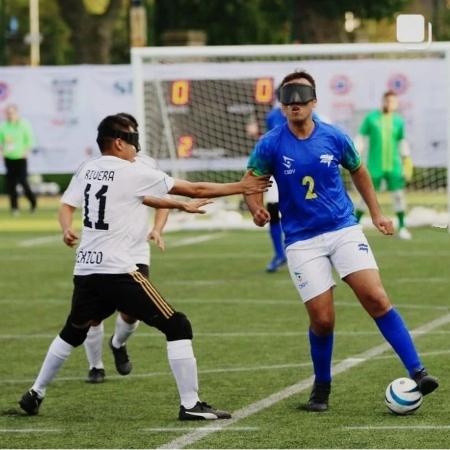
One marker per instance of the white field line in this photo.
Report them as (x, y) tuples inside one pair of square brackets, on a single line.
[(254, 408), (172, 429), (194, 240), (216, 370), (176, 243), (233, 334), (399, 427), (226, 301), (40, 240), (29, 430)]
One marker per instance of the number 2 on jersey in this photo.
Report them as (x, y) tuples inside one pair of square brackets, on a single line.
[(101, 197), (310, 194)]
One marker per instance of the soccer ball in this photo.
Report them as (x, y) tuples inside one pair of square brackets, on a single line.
[(403, 396)]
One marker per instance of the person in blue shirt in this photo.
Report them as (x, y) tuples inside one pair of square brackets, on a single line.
[(275, 118), (321, 231)]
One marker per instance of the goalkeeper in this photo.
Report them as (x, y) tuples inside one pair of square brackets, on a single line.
[(388, 156)]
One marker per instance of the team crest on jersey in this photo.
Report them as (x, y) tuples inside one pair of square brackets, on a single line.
[(326, 159), (363, 248), (287, 162)]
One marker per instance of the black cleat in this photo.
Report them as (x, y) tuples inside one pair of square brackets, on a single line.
[(96, 376), (426, 383), (30, 402), (121, 360), (202, 411), (318, 400)]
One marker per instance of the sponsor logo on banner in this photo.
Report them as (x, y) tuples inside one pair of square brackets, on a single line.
[(4, 91), (399, 83), (340, 84), (64, 91), (123, 87)]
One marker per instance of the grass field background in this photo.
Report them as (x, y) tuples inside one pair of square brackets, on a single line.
[(250, 342)]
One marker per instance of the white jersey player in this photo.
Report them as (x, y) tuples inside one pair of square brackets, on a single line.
[(109, 190)]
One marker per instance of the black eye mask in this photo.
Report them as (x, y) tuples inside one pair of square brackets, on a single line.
[(296, 93), (130, 137)]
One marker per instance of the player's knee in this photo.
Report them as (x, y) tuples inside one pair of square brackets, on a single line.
[(377, 303), (178, 327), (74, 334), (274, 213), (323, 325)]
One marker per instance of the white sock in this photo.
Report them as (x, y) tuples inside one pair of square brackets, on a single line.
[(93, 346), (123, 331), (57, 353), (184, 368)]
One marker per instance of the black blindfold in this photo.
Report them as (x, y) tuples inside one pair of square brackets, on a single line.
[(130, 137), (296, 93)]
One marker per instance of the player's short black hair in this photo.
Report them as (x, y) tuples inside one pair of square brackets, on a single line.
[(297, 75), (131, 118), (109, 125)]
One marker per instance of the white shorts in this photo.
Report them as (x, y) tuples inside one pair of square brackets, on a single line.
[(311, 261), (271, 196)]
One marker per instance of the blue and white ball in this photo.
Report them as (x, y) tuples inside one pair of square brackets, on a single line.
[(403, 396)]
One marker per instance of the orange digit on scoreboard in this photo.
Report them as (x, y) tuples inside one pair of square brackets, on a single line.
[(264, 90), (180, 92), (185, 146)]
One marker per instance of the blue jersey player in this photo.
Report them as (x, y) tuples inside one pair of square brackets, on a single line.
[(321, 231)]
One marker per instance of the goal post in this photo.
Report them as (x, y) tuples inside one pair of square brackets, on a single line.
[(201, 109)]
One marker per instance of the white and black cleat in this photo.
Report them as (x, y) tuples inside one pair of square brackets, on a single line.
[(202, 411)]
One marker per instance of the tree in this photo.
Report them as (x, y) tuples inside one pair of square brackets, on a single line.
[(317, 22), (91, 30), (225, 21)]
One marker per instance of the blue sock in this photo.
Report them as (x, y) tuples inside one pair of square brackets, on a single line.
[(277, 239), (321, 351), (395, 332)]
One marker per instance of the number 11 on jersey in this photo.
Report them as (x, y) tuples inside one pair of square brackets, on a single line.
[(101, 197)]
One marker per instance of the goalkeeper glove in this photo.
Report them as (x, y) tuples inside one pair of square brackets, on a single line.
[(408, 168)]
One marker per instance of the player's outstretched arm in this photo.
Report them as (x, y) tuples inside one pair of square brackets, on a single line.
[(65, 217), (363, 184), (156, 234), (249, 184), (192, 206)]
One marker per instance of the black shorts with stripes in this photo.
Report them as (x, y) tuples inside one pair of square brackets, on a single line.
[(97, 296)]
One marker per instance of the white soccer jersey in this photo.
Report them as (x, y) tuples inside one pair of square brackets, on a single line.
[(140, 248), (110, 191)]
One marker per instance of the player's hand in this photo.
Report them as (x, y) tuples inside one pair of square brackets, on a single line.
[(253, 184), (261, 216), (156, 237), (70, 238), (384, 225), (194, 205)]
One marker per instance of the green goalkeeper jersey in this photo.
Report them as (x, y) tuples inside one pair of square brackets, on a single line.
[(16, 139), (384, 131)]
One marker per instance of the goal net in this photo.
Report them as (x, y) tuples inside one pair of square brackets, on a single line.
[(202, 109)]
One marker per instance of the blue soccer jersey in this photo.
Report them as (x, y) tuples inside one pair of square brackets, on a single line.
[(312, 196), (275, 118)]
